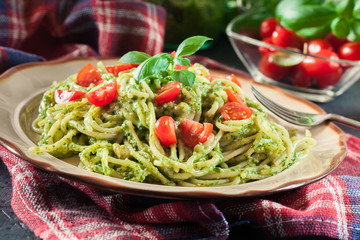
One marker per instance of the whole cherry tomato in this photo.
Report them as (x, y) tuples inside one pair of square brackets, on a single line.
[(87, 75), (168, 93), (329, 79), (270, 69), (268, 26), (315, 67), (350, 51), (63, 96), (317, 45), (287, 39), (235, 111), (335, 42), (165, 131), (299, 79), (193, 133), (265, 50), (103, 95)]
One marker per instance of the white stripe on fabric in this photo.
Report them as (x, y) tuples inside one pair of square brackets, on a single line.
[(267, 216), (278, 219)]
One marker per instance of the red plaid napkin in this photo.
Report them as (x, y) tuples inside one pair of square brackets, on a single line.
[(57, 208)]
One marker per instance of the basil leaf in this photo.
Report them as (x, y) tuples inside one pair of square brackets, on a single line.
[(340, 28), (153, 65), (190, 45), (356, 10), (134, 57), (182, 61), (184, 76), (345, 8), (314, 32), (354, 34)]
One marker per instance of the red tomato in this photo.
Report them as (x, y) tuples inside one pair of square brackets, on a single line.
[(103, 95), (268, 26), (168, 93), (272, 70), (264, 50), (193, 133), (212, 77), (329, 79), (285, 38), (63, 96), (180, 67), (299, 78), (335, 42), (314, 67), (350, 51), (233, 78), (316, 45), (87, 75), (232, 97), (115, 69), (235, 111), (165, 131)]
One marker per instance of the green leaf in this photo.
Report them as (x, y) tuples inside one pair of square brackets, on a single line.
[(314, 32), (354, 34), (153, 65), (182, 61), (190, 45), (340, 27), (356, 10), (345, 8), (134, 57), (184, 76)]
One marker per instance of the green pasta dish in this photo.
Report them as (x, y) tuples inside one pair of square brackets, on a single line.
[(161, 119)]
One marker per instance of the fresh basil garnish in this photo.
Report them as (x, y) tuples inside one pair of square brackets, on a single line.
[(134, 57), (190, 45), (153, 65), (184, 76)]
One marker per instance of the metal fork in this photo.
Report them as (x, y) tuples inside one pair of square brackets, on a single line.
[(301, 118)]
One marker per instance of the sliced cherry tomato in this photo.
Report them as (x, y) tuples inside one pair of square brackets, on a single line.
[(287, 39), (180, 67), (317, 45), (335, 42), (212, 77), (173, 53), (350, 51), (193, 133), (329, 79), (63, 96), (116, 69), (234, 79), (268, 26), (235, 111), (315, 67), (87, 75), (168, 93), (165, 131), (299, 78), (232, 97), (270, 69), (264, 50), (103, 95)]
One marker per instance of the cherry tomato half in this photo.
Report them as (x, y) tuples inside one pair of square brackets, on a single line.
[(165, 131), (350, 51), (103, 95), (193, 133), (268, 26), (235, 111), (87, 75), (180, 67), (63, 96), (314, 67), (168, 93), (270, 69), (285, 38), (317, 45), (234, 79), (116, 69), (233, 97)]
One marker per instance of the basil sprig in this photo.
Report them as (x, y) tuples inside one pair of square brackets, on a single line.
[(316, 18), (162, 61)]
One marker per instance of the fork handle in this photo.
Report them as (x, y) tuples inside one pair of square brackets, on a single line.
[(344, 120)]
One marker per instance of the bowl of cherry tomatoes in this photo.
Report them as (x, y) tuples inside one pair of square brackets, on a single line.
[(318, 69)]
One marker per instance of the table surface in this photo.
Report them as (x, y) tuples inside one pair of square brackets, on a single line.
[(347, 105)]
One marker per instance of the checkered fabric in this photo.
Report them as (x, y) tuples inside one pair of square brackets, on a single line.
[(57, 208)]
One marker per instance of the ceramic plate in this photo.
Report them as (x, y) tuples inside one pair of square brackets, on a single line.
[(20, 91)]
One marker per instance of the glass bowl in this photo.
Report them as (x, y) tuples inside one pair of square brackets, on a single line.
[(246, 41)]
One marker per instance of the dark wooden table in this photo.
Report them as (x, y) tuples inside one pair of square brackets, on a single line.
[(347, 105)]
